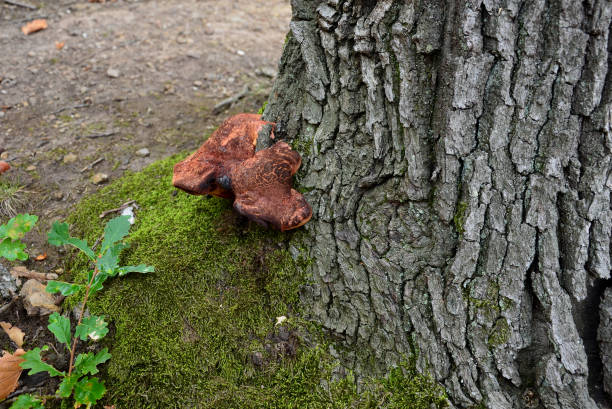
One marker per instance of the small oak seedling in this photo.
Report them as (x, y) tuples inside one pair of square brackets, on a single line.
[(77, 382)]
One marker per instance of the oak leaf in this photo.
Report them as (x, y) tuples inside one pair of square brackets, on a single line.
[(14, 333), (34, 26), (10, 372)]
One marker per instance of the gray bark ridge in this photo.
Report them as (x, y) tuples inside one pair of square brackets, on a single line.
[(457, 158)]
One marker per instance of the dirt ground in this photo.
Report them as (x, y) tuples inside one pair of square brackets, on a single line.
[(131, 75)]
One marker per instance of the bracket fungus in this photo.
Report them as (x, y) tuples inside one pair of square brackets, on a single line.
[(259, 183)]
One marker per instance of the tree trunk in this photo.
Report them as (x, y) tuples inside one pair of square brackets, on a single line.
[(457, 158)]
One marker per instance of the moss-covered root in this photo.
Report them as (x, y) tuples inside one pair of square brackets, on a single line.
[(185, 336)]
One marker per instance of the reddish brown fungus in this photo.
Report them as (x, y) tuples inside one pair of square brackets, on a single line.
[(226, 165)]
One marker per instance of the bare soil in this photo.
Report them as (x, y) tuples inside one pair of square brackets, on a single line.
[(175, 60), (130, 75)]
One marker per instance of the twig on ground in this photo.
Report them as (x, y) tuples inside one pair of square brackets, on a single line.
[(98, 135), (92, 164), (71, 107), (117, 209), (21, 271), (25, 389), (8, 305), (97, 242), (226, 103), (20, 4)]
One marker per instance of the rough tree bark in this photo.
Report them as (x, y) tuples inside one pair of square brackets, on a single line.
[(457, 157)]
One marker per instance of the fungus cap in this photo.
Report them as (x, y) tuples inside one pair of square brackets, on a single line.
[(262, 186), (206, 171), (227, 166)]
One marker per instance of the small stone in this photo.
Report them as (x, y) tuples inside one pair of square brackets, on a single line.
[(257, 358), (69, 158), (4, 155), (240, 52), (143, 152), (59, 270), (31, 168), (198, 83), (8, 286), (58, 196), (99, 178), (1, 114), (36, 300), (184, 40), (268, 72), (193, 54), (113, 73)]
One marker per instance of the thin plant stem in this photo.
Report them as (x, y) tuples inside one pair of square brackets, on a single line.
[(75, 340)]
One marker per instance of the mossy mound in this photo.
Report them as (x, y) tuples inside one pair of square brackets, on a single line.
[(185, 336)]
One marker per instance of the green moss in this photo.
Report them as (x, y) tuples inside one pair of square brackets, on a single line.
[(55, 153), (490, 304), (183, 337), (288, 37), (505, 303), (404, 387), (263, 108), (95, 127), (302, 386), (459, 217), (121, 123), (303, 143), (500, 333)]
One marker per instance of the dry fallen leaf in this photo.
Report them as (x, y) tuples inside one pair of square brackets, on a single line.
[(10, 372), (34, 26), (59, 45), (4, 166), (41, 257), (15, 333)]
